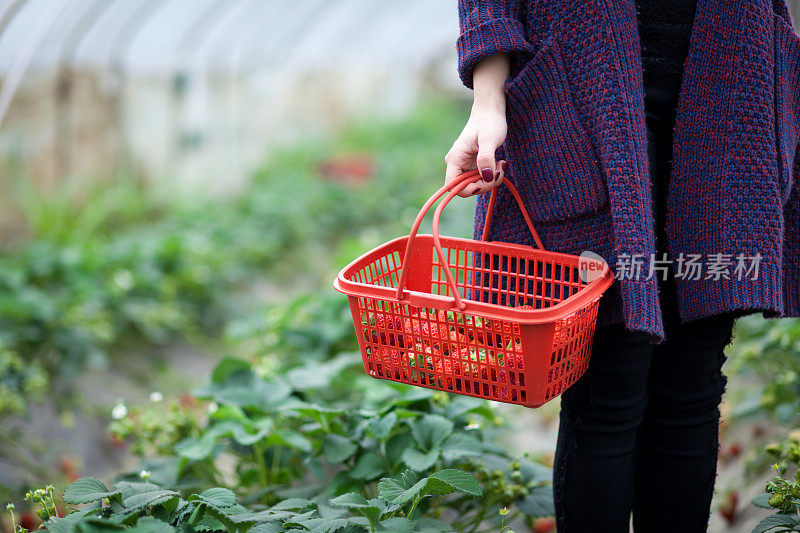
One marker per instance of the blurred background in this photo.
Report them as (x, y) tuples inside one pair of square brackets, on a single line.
[(181, 180)]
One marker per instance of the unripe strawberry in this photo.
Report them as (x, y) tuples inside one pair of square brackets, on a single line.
[(776, 500), (773, 449)]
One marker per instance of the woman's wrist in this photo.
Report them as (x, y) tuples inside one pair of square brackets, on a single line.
[(489, 103), (489, 77)]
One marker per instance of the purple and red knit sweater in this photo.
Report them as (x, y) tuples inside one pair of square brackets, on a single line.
[(577, 146)]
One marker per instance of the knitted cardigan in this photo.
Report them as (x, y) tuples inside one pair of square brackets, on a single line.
[(577, 147)]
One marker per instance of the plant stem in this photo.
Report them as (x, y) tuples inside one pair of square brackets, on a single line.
[(413, 506), (276, 463), (258, 448)]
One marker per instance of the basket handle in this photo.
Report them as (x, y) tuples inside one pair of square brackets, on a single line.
[(455, 186)]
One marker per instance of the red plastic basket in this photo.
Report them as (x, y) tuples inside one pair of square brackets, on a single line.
[(500, 321)]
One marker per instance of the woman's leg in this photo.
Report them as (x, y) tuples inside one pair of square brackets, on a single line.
[(593, 478), (677, 443)]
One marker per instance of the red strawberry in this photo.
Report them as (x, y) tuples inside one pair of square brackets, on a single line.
[(448, 366), (28, 520), (464, 353), (435, 330), (730, 452), (387, 337), (390, 356), (457, 339), (503, 394), (116, 442), (187, 400), (545, 524), (475, 370), (728, 507), (475, 335), (412, 327), (507, 328), (67, 463)]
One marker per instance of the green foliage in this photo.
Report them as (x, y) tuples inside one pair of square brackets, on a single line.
[(310, 326), (383, 457), (146, 506), (317, 427), (771, 351), (19, 382), (783, 492), (107, 266), (295, 437), (80, 210), (403, 444)]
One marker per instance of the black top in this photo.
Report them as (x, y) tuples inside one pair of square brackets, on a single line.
[(665, 28)]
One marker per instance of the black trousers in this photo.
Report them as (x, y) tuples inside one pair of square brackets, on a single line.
[(638, 433)]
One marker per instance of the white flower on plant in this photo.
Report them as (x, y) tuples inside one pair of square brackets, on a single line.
[(124, 280), (472, 425), (212, 408), (119, 411), (144, 474), (156, 396)]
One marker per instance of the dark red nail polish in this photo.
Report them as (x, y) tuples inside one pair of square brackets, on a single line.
[(487, 174), (505, 166), (497, 176)]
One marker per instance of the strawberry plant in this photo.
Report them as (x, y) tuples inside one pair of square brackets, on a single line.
[(783, 492), (382, 457), (769, 349), (112, 271), (147, 506), (285, 438)]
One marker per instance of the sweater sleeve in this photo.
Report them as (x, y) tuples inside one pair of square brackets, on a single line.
[(488, 27)]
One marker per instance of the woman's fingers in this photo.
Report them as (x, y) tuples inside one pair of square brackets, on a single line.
[(483, 186), (460, 159), (475, 149), (488, 143)]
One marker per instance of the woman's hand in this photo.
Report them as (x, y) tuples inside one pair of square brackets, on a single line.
[(485, 130)]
